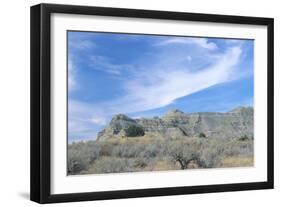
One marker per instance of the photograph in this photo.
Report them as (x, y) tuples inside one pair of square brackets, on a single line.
[(133, 103), (156, 102)]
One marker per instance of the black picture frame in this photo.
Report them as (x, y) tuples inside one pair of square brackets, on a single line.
[(41, 98)]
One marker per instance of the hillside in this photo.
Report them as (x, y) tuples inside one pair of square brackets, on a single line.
[(175, 123), (176, 141)]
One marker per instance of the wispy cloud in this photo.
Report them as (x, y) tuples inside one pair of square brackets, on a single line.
[(164, 76), (99, 120), (84, 120), (76, 44), (163, 87), (102, 63), (81, 44), (201, 42), (72, 84), (158, 89)]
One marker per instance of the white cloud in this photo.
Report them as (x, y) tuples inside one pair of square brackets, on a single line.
[(104, 64), (150, 88), (72, 84), (84, 120), (100, 120), (81, 44), (200, 42), (234, 41), (163, 86)]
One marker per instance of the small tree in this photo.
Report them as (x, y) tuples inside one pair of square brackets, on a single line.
[(134, 131), (183, 154)]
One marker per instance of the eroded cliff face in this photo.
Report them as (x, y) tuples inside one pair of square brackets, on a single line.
[(233, 124)]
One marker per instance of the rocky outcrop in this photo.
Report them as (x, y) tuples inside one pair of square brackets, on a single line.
[(233, 124), (122, 125)]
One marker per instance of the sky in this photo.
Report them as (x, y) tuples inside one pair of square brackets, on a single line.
[(148, 75)]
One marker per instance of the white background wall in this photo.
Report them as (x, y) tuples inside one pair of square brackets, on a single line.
[(14, 102)]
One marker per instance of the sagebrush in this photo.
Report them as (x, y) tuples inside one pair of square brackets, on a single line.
[(136, 154)]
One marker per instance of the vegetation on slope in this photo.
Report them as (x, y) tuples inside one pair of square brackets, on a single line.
[(147, 153)]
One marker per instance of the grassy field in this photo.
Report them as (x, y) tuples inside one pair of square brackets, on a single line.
[(135, 154)]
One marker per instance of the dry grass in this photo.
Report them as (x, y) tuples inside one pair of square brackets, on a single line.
[(238, 161), (163, 164), (149, 153)]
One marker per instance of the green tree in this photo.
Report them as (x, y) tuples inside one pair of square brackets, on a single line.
[(134, 131)]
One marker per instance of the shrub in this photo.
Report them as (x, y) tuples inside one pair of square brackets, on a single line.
[(202, 135), (244, 138), (112, 165), (81, 155), (211, 156), (238, 148), (76, 163), (156, 154), (134, 131), (105, 148), (183, 153), (141, 162), (151, 150), (127, 150)]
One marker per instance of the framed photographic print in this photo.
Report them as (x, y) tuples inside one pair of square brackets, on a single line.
[(133, 103)]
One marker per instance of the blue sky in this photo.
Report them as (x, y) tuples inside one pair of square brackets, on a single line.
[(147, 75)]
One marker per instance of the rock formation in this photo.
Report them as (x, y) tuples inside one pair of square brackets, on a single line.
[(175, 124)]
